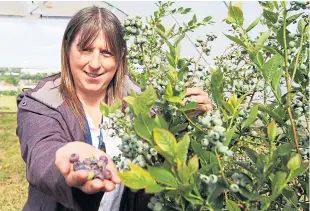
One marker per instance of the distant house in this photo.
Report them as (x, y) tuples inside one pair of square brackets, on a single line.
[(5, 86), (26, 84)]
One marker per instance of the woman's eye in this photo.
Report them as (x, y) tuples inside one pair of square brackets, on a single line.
[(87, 50), (106, 53)]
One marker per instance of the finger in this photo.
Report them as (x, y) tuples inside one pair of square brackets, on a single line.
[(97, 185), (205, 107), (200, 99), (62, 163), (195, 91), (77, 178), (115, 178)]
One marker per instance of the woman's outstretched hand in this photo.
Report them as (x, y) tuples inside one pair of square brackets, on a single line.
[(78, 178), (200, 97)]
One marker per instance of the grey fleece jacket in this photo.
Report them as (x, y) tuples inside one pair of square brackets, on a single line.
[(44, 124)]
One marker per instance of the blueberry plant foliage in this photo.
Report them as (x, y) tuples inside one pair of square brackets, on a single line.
[(246, 154)]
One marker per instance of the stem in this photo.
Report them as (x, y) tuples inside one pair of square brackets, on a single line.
[(196, 64), (196, 126), (221, 168), (143, 56), (297, 57), (288, 84), (255, 89)]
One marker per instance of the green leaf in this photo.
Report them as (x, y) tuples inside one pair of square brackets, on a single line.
[(253, 24), (284, 149), (280, 36), (161, 27), (182, 147), (193, 164), (273, 69), (104, 108), (278, 182), (178, 39), (183, 173), (252, 154), (258, 59), (228, 107), (189, 106), (163, 176), (206, 157), (236, 40), (170, 30), (171, 60), (249, 168), (301, 25), (165, 141), (228, 135), (161, 34), (260, 41), (235, 15), (136, 178), (145, 101), (176, 99), (116, 105), (161, 122), (168, 90), (271, 113), (206, 19), (292, 18), (290, 194), (178, 128), (251, 118), (187, 10), (217, 86), (130, 100), (232, 206), (270, 16), (192, 199), (294, 163), (297, 172), (272, 130), (154, 188), (144, 126)]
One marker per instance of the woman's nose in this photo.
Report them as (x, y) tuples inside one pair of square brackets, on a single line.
[(95, 60)]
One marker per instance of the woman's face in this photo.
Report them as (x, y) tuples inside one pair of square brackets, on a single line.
[(92, 68)]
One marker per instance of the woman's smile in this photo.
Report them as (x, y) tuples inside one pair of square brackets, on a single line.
[(92, 75)]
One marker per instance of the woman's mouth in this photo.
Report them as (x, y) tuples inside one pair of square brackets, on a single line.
[(93, 75)]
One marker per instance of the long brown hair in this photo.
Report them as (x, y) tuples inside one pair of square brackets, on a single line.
[(87, 23)]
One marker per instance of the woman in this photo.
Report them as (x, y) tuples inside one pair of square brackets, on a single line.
[(62, 114)]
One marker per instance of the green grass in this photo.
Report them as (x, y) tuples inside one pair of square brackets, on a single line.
[(13, 183), (8, 103)]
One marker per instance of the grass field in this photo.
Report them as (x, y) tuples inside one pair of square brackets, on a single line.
[(8, 104), (13, 184)]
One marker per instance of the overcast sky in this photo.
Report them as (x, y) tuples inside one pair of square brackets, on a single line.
[(34, 43)]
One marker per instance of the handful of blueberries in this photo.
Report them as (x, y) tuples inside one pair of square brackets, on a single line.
[(96, 167)]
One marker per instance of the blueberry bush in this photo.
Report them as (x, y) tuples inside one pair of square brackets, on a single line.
[(251, 152)]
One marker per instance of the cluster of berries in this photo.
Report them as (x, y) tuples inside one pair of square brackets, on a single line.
[(133, 148), (208, 179), (211, 121), (200, 42), (297, 5), (96, 167), (156, 203)]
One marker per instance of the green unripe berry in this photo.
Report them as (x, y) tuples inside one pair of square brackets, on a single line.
[(234, 187), (303, 67), (292, 44), (158, 206), (153, 151), (213, 178), (90, 175)]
